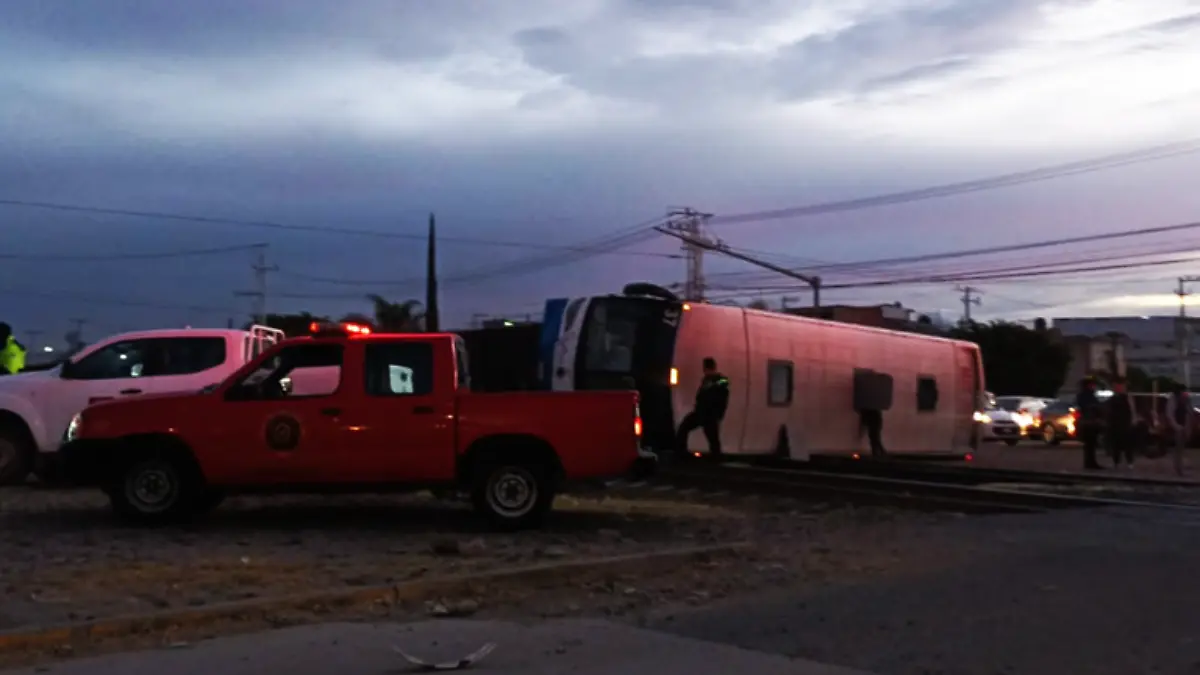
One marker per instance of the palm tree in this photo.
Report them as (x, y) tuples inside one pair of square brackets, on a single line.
[(398, 317)]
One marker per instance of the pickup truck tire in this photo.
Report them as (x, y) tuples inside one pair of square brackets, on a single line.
[(512, 495), (16, 454), (156, 490)]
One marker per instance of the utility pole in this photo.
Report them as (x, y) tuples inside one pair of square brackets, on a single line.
[(970, 296), (259, 294), (432, 311), (690, 224), (718, 246), (1183, 331)]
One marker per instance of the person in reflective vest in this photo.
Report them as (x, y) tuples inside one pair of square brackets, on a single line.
[(1179, 418), (12, 353), (711, 401)]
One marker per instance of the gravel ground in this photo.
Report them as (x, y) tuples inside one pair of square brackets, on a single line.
[(63, 559)]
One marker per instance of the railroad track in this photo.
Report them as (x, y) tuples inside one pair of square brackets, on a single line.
[(929, 492), (967, 474)]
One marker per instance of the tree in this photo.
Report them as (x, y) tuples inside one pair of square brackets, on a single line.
[(398, 317), (1140, 380), (1018, 360), (759, 304)]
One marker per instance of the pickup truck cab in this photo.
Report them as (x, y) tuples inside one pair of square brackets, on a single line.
[(36, 407), (361, 412)]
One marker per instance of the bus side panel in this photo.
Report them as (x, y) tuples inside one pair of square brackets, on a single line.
[(719, 332), (774, 338)]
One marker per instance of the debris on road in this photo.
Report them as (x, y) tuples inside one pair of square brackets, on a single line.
[(465, 662)]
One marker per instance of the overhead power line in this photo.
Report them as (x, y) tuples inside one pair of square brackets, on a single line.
[(27, 292), (1156, 153), (1010, 248), (36, 257), (635, 234), (295, 227)]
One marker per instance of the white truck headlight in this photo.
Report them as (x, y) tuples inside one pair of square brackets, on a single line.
[(74, 427)]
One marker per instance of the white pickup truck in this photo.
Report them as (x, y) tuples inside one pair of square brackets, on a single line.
[(37, 407)]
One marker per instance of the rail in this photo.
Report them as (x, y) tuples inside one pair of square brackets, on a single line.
[(893, 491)]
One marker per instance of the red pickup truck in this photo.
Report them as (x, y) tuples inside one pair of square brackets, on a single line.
[(348, 411)]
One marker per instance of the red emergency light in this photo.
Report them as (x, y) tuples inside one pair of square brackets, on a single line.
[(343, 328)]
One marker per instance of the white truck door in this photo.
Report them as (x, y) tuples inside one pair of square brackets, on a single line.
[(190, 362), (106, 372)]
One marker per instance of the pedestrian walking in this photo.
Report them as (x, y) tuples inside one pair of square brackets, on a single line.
[(712, 398), (1179, 418), (1121, 418), (1090, 420)]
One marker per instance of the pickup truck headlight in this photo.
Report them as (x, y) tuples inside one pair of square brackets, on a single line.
[(74, 427)]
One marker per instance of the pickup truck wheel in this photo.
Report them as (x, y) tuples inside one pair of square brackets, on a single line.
[(16, 456), (155, 491), (512, 496)]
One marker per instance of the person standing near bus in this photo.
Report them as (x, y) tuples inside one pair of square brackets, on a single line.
[(12, 353), (711, 401), (1121, 419), (1179, 418), (1090, 419)]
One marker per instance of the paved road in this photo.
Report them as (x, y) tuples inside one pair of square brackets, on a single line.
[(580, 647), (1070, 593)]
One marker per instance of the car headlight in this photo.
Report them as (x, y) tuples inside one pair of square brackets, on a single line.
[(74, 427), (982, 417)]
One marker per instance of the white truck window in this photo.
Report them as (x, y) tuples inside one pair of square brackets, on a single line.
[(120, 360)]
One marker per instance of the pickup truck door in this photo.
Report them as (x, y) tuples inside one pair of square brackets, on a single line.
[(261, 436), (404, 421)]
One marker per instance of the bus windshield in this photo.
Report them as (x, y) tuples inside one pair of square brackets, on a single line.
[(626, 338), (629, 343)]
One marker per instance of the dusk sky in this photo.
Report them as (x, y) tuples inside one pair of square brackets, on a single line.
[(545, 123)]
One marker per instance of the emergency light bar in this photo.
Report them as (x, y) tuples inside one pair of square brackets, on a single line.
[(329, 328)]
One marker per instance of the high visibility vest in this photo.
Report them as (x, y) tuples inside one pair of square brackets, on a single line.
[(12, 357)]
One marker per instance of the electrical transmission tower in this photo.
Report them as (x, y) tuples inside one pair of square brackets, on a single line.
[(689, 224), (970, 296), (259, 294)]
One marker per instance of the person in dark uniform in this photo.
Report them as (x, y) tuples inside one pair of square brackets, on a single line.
[(711, 401), (872, 423), (1120, 421), (1090, 419)]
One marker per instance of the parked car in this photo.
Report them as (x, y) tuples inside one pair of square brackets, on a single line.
[(1055, 422), (1022, 409), (999, 425)]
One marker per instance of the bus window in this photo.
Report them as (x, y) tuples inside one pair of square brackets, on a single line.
[(927, 394), (779, 383)]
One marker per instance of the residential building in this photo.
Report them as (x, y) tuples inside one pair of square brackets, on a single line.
[(1153, 344)]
